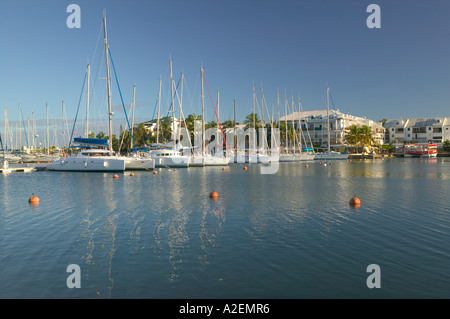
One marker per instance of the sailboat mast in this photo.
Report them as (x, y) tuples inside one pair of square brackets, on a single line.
[(328, 120), (20, 130), (108, 86), (173, 106), (6, 129), (63, 131), (132, 115), (293, 125), (254, 116), (285, 122), (87, 100), (218, 114), (203, 115), (181, 106), (48, 135), (33, 123), (159, 104), (234, 124)]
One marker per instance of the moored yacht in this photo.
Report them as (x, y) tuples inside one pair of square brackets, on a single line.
[(89, 160), (169, 158)]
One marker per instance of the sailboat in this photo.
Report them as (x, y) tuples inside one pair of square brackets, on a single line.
[(329, 155), (47, 157), (7, 156), (169, 157), (135, 161), (293, 155), (215, 158), (97, 154)]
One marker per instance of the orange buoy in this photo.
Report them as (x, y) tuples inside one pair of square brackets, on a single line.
[(155, 172), (34, 200), (245, 168), (214, 195), (28, 164), (116, 176), (223, 168), (306, 165), (355, 201), (132, 174), (174, 169)]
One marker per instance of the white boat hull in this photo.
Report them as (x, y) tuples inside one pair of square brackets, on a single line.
[(139, 163), (216, 160), (82, 164), (330, 156), (260, 158), (172, 161), (296, 157), (10, 158)]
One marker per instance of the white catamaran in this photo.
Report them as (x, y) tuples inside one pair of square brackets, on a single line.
[(169, 157), (98, 154)]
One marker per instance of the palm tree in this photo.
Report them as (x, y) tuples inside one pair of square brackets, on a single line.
[(249, 121), (359, 136)]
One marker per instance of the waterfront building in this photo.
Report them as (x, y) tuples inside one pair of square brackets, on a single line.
[(312, 127), (434, 130)]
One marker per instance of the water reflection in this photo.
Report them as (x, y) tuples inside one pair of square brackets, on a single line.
[(290, 234), (210, 227)]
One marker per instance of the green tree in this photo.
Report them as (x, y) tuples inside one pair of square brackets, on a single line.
[(359, 136), (447, 146), (250, 123), (101, 135)]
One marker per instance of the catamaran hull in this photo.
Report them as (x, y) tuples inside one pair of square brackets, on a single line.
[(139, 164), (296, 157), (172, 161), (330, 156), (216, 161), (87, 165), (10, 158)]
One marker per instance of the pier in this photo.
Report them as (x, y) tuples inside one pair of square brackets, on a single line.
[(5, 169)]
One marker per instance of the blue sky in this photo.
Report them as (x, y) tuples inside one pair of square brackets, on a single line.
[(297, 46)]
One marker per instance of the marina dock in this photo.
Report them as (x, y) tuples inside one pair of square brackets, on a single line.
[(5, 168), (17, 169)]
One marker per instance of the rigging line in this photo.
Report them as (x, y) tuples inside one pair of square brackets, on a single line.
[(120, 92), (98, 40), (78, 108), (24, 127), (216, 112), (181, 110)]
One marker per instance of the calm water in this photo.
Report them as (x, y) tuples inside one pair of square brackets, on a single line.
[(287, 235)]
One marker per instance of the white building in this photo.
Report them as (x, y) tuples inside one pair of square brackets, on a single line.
[(314, 125), (151, 126), (426, 130)]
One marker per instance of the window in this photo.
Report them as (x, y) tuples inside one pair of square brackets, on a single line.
[(419, 130)]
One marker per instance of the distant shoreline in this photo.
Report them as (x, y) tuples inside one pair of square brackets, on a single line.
[(382, 156)]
